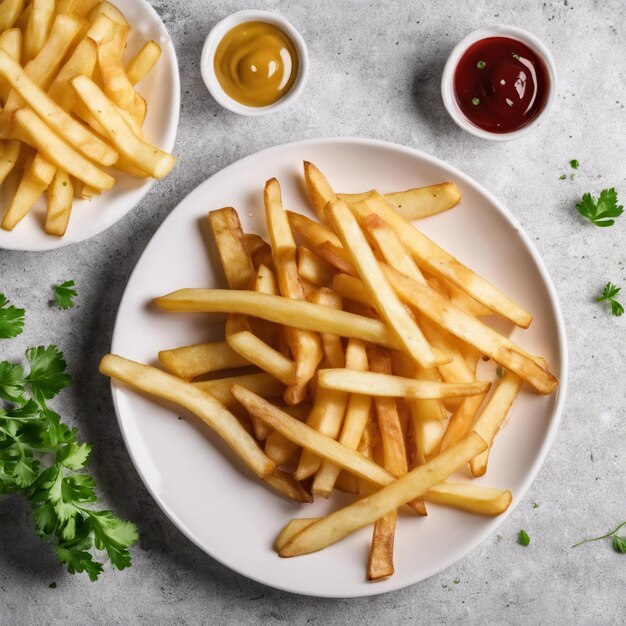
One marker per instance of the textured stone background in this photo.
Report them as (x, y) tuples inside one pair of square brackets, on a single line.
[(375, 71)]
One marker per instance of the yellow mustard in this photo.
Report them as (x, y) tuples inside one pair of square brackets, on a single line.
[(256, 63)]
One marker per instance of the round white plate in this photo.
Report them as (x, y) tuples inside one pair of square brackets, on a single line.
[(161, 89), (197, 482)]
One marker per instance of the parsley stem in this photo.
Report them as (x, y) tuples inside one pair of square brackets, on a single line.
[(580, 543)]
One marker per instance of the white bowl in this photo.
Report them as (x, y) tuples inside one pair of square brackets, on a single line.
[(208, 56), (447, 79)]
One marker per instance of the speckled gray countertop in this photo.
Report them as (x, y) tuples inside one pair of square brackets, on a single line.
[(375, 71)]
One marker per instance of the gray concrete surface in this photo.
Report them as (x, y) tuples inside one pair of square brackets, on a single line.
[(375, 69)]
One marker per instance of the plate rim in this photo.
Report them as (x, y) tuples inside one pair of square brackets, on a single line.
[(150, 182), (555, 417)]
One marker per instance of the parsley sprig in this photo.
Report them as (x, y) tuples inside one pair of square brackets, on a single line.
[(41, 458), (600, 211), (608, 295), (619, 543), (11, 319), (64, 294)]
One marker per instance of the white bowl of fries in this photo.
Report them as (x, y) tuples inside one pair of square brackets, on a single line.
[(363, 378), (75, 128)]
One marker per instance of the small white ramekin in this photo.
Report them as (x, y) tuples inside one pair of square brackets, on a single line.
[(447, 79), (208, 55)]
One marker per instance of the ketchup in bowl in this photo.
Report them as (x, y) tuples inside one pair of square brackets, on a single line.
[(500, 84)]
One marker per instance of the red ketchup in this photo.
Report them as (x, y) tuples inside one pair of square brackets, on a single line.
[(500, 84)]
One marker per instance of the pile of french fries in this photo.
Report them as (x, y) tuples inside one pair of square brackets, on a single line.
[(361, 338), (70, 107)]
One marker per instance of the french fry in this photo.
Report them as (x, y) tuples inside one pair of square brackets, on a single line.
[(305, 315), (286, 485), (291, 530), (470, 497), (9, 12), (461, 420), (8, 158), (356, 417), (138, 152), (117, 86), (75, 7), (417, 482), (262, 384), (438, 262), (38, 28), (141, 64), (305, 346), (34, 182), (380, 562), (313, 268), (241, 339), (108, 9), (189, 362), (471, 330), (56, 118), (387, 303), (331, 342), (279, 449), (418, 203), (326, 417), (60, 198), (82, 62), (37, 134), (310, 439), (231, 247), (386, 385), (162, 385), (320, 191), (11, 43), (492, 417), (254, 243)]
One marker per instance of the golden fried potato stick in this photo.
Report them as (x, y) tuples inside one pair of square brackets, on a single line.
[(116, 84), (438, 262), (8, 158), (305, 346), (137, 151), (38, 28), (470, 329), (326, 417), (162, 385), (60, 199), (108, 9), (380, 561), (262, 384), (231, 247), (417, 203), (313, 268), (36, 133), (492, 417), (417, 482), (195, 360), (387, 385), (11, 43), (285, 311), (75, 7), (141, 64), (9, 12), (310, 439), (387, 303), (288, 486), (34, 182)]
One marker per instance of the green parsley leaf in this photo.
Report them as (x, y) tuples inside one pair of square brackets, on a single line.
[(78, 560), (535, 505), (600, 211), (619, 544), (523, 538), (11, 382), (64, 294), (574, 164), (11, 319), (608, 295), (47, 372), (499, 372), (113, 535)]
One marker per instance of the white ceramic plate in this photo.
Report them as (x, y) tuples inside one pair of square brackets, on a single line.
[(161, 88), (211, 497)]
